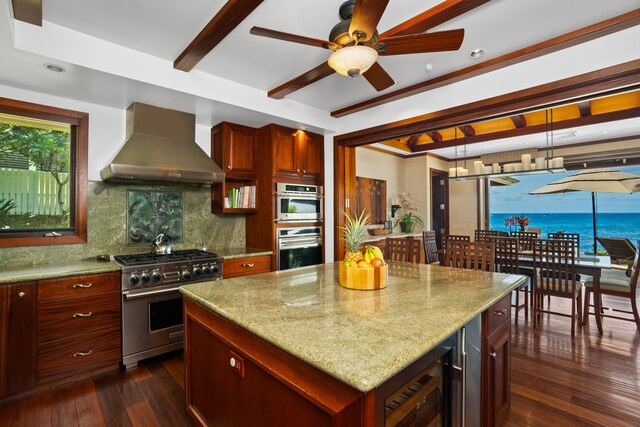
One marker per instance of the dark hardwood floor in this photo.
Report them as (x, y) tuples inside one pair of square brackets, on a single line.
[(556, 381)]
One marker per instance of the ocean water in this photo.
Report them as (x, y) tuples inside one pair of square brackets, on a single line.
[(608, 225)]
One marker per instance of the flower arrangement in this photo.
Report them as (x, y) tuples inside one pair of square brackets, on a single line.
[(516, 221), (408, 220)]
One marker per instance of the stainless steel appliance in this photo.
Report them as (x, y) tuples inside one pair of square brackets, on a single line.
[(467, 369), (152, 316), (299, 247), (296, 202)]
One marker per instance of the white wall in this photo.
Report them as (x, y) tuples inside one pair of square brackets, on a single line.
[(463, 207)]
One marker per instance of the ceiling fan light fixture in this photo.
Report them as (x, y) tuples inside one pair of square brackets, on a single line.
[(351, 61)]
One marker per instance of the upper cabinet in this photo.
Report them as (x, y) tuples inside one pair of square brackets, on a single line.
[(297, 155)]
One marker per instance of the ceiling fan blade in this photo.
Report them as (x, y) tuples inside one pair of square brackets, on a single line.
[(273, 34), (378, 77), (366, 15), (320, 72), (421, 43)]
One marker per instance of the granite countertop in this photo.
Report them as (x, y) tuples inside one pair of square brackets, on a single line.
[(233, 253), (370, 238), (361, 338), (48, 271)]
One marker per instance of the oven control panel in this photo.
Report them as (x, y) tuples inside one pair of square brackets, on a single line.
[(181, 272)]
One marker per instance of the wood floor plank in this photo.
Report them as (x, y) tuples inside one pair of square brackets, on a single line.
[(175, 366), (13, 416), (141, 415), (63, 408), (38, 410), (160, 405), (169, 385), (111, 404), (87, 405)]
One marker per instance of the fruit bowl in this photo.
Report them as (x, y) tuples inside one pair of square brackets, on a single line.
[(364, 279)]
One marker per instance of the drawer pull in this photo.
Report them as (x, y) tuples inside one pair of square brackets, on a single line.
[(21, 294), (75, 315), (500, 312), (82, 353), (82, 285), (493, 354), (248, 264)]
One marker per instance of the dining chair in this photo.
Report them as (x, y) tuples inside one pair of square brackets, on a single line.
[(406, 249), (525, 239), (453, 237), (507, 261), (470, 255), (567, 236), (430, 247), (616, 283), (555, 275), (483, 235)]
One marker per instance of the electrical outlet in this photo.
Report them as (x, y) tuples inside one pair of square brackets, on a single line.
[(236, 363)]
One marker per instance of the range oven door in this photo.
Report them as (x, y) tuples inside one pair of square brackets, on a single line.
[(299, 208), (151, 323), (299, 252)]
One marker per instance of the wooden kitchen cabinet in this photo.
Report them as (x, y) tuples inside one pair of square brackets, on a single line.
[(496, 362), (234, 149), (247, 266), (17, 337), (297, 155), (78, 325)]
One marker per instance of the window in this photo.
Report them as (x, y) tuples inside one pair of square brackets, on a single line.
[(43, 175)]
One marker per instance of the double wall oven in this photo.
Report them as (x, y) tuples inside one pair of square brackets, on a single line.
[(297, 202), (152, 314)]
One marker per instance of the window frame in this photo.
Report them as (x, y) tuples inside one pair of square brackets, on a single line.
[(78, 182)]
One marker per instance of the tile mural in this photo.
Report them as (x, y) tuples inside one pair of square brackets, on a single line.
[(150, 213)]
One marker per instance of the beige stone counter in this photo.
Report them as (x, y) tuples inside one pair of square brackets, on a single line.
[(370, 238), (48, 271), (233, 253), (359, 337)]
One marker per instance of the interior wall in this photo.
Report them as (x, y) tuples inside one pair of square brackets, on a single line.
[(463, 207)]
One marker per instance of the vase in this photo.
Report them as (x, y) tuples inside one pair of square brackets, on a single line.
[(522, 227), (406, 227)]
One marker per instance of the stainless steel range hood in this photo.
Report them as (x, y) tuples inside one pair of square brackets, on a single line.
[(160, 146)]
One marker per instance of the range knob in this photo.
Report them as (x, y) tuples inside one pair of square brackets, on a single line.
[(197, 271), (156, 276), (134, 280), (146, 278), (215, 269), (207, 270), (186, 275)]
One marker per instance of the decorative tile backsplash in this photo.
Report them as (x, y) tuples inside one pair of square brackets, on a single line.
[(150, 213)]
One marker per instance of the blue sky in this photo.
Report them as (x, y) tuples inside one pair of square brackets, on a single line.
[(516, 198)]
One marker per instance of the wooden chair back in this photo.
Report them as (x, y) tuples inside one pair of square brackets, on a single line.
[(483, 235), (525, 239), (430, 247), (567, 236), (506, 254), (554, 268), (635, 272), (406, 249), (621, 250), (453, 237), (469, 255)]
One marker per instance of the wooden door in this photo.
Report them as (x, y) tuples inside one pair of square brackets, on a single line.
[(17, 337), (239, 151), (286, 147), (312, 167), (439, 204), (498, 374)]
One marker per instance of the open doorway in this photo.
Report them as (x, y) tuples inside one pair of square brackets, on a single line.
[(439, 204)]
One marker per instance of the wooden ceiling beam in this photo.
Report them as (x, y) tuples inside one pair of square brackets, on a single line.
[(435, 135), (467, 130), (29, 11), (585, 108), (600, 29), (412, 142), (443, 12), (541, 128), (519, 120), (225, 21)]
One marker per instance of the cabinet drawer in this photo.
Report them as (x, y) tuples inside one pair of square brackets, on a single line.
[(498, 313), (246, 266), (78, 286), (66, 318), (68, 357)]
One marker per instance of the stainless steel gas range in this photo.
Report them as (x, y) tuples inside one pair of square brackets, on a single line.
[(152, 314)]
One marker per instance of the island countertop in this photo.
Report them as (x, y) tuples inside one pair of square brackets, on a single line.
[(361, 338)]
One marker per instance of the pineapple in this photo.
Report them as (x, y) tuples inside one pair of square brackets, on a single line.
[(355, 230)]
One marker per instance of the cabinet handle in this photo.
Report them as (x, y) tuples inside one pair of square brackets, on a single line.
[(248, 264), (228, 166), (21, 294), (82, 286), (493, 354), (82, 353), (297, 170), (304, 171), (75, 315), (500, 312)]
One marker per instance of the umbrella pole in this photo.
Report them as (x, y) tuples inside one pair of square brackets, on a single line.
[(593, 210)]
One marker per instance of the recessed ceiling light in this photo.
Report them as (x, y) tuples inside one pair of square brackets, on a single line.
[(54, 67), (605, 131), (477, 53)]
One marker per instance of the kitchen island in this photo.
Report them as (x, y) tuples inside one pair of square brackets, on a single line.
[(295, 345)]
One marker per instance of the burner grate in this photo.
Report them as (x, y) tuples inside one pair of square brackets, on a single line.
[(151, 258)]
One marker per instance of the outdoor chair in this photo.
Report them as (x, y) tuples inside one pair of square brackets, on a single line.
[(620, 250), (406, 249), (430, 247), (506, 261), (567, 236), (470, 255), (555, 275), (616, 283)]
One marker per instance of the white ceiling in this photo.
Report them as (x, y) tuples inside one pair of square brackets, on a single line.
[(231, 82)]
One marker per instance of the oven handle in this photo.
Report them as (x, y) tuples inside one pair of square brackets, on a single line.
[(299, 244), (135, 295)]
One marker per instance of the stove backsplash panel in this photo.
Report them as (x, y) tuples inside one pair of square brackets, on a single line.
[(107, 226), (150, 213)]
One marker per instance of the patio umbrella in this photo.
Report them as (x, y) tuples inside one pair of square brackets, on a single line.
[(594, 181)]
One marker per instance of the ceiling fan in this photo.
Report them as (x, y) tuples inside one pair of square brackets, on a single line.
[(356, 45)]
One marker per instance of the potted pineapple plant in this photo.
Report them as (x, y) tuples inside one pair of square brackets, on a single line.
[(361, 270)]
